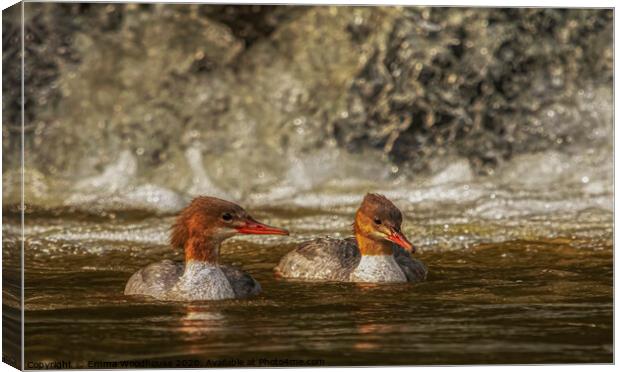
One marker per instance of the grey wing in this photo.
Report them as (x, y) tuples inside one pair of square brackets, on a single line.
[(321, 259), (414, 270), (241, 282), (155, 279)]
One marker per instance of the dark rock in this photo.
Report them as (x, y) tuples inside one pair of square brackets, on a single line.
[(242, 89)]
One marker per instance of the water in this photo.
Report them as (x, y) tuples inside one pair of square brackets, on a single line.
[(518, 273)]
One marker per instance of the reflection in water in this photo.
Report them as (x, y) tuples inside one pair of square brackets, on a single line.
[(373, 323), (199, 326), (200, 320), (370, 335)]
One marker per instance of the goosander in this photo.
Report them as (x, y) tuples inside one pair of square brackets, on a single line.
[(379, 252), (200, 229)]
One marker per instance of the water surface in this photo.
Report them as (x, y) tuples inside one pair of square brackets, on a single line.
[(536, 288)]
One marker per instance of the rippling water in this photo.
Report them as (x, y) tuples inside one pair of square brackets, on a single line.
[(519, 272)]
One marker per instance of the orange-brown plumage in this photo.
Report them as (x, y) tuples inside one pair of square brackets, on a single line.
[(377, 225), (207, 221), (200, 217)]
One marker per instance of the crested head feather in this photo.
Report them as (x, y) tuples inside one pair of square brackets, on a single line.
[(377, 204), (375, 198)]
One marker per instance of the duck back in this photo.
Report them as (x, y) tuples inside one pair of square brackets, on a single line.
[(321, 259)]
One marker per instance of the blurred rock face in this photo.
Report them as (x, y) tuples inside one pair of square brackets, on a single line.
[(201, 99), (479, 82)]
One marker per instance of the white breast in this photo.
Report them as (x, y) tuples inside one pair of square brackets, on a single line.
[(202, 281), (378, 269)]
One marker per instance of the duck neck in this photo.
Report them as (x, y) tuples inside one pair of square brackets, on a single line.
[(372, 247), (203, 249)]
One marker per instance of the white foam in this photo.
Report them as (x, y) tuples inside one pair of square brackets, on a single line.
[(201, 182), (114, 177)]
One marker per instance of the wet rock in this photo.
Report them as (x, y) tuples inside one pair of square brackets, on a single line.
[(249, 89), (477, 82), (123, 94)]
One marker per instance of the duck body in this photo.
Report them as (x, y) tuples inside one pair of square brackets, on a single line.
[(199, 231), (194, 281), (329, 259)]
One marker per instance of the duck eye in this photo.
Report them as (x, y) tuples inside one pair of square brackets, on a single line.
[(227, 217), (377, 221)]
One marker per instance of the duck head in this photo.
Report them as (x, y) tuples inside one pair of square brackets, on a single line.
[(378, 221), (207, 221)]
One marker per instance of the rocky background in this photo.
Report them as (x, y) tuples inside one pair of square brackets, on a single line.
[(222, 97)]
